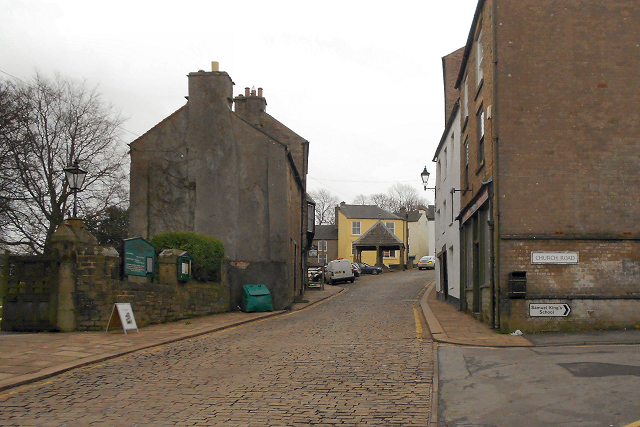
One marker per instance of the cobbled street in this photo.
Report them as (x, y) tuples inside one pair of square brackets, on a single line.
[(357, 359)]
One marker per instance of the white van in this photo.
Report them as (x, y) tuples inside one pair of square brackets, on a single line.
[(339, 270)]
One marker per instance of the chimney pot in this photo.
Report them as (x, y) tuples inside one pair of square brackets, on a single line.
[(260, 92), (246, 92), (253, 91), (215, 66)]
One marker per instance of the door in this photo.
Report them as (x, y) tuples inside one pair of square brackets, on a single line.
[(444, 275), (30, 304)]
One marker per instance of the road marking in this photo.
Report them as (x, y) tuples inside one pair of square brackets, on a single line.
[(636, 424), (419, 331)]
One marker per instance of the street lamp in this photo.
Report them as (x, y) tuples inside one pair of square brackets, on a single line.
[(75, 178), (425, 177)]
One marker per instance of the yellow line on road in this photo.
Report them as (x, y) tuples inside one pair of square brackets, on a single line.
[(419, 331), (636, 424)]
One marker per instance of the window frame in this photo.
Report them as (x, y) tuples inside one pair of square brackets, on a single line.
[(480, 125), (465, 99), (353, 228), (392, 228), (466, 162), (479, 59), (389, 254)]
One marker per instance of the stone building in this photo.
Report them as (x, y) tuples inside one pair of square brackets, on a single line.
[(550, 164), (325, 241), (237, 175)]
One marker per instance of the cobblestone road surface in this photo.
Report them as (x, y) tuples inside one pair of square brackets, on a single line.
[(356, 359)]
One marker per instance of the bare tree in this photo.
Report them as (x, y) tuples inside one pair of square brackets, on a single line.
[(325, 206), (382, 200), (361, 199), (404, 196), (51, 124), (399, 196)]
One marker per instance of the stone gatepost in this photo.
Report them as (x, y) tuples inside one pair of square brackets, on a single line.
[(69, 239)]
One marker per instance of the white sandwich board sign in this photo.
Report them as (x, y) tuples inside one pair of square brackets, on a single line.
[(125, 317)]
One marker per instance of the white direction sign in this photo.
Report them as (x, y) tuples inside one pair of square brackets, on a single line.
[(549, 310)]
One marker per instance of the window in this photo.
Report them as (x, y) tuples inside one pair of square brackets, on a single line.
[(445, 163), (444, 209), (355, 227), (322, 245), (479, 59), (392, 227), (453, 145), (465, 99), (311, 217), (480, 117), (466, 162), (322, 259), (390, 254)]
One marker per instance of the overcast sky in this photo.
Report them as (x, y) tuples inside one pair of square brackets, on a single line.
[(360, 80)]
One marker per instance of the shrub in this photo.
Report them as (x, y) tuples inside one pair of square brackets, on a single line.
[(207, 252)]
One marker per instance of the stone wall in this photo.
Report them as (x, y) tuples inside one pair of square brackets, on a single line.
[(98, 288)]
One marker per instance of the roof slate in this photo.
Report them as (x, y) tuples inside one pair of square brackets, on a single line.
[(366, 212), (414, 216), (326, 232), (378, 235)]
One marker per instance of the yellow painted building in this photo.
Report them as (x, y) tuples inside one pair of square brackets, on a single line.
[(354, 221)]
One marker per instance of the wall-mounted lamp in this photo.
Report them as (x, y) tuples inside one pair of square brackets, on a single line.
[(425, 178), (455, 190)]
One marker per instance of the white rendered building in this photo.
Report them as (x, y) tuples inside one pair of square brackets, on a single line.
[(447, 208)]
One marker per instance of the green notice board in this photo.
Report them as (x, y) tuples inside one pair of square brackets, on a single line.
[(139, 257)]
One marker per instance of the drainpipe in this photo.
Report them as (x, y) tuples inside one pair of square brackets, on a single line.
[(495, 205)]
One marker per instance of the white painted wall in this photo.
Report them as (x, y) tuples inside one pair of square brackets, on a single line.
[(447, 232)]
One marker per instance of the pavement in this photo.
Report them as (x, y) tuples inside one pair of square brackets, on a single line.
[(29, 357)]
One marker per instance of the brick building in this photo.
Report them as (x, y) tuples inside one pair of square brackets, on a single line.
[(237, 175), (550, 164)]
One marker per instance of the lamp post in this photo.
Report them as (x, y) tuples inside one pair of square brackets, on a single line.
[(75, 178)]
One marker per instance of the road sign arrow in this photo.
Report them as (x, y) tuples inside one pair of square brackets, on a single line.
[(567, 309)]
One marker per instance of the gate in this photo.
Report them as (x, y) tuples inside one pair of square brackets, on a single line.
[(30, 302)]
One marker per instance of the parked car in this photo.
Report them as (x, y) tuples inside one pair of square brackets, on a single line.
[(369, 269), (427, 262), (339, 270), (356, 269), (315, 274)]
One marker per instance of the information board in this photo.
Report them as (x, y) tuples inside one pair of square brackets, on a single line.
[(139, 257)]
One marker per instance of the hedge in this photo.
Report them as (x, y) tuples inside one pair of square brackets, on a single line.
[(207, 252)]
